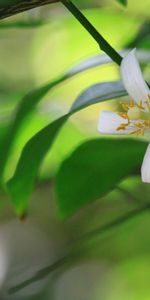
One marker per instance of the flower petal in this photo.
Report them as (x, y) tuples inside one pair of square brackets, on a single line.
[(110, 121), (145, 170), (133, 79)]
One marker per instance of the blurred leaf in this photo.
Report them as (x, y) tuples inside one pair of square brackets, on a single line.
[(10, 3), (22, 24), (143, 34), (11, 7), (29, 102), (94, 169), (124, 2), (94, 61), (99, 92), (21, 185), (26, 106)]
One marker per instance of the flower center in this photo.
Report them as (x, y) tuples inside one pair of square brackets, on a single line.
[(134, 113), (136, 117)]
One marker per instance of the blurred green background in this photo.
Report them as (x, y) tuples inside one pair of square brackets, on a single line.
[(116, 265)]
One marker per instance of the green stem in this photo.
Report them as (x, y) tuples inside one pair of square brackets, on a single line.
[(103, 44)]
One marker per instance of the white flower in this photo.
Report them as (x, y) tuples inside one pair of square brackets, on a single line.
[(135, 117), (133, 79), (145, 170)]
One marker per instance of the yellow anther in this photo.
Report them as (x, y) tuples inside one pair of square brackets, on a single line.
[(134, 113), (147, 123), (122, 127), (138, 132), (140, 105), (148, 104), (123, 115), (136, 117), (132, 104)]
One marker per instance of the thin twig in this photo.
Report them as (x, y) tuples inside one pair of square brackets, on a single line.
[(103, 44), (78, 243)]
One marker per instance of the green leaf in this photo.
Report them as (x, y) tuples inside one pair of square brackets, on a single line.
[(11, 7), (99, 92), (98, 60), (124, 2), (26, 106), (142, 35), (21, 185), (22, 24), (31, 99), (94, 169)]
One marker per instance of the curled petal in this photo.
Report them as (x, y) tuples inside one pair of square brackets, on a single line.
[(145, 170), (133, 79), (109, 122)]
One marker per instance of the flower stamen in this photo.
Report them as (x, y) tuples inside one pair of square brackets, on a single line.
[(136, 117)]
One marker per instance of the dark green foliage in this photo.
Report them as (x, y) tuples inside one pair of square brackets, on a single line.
[(94, 169), (21, 185), (124, 2)]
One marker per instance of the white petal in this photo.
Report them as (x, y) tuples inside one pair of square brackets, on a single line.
[(109, 122), (145, 170), (133, 79)]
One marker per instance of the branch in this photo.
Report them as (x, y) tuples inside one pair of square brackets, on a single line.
[(103, 44), (11, 7)]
